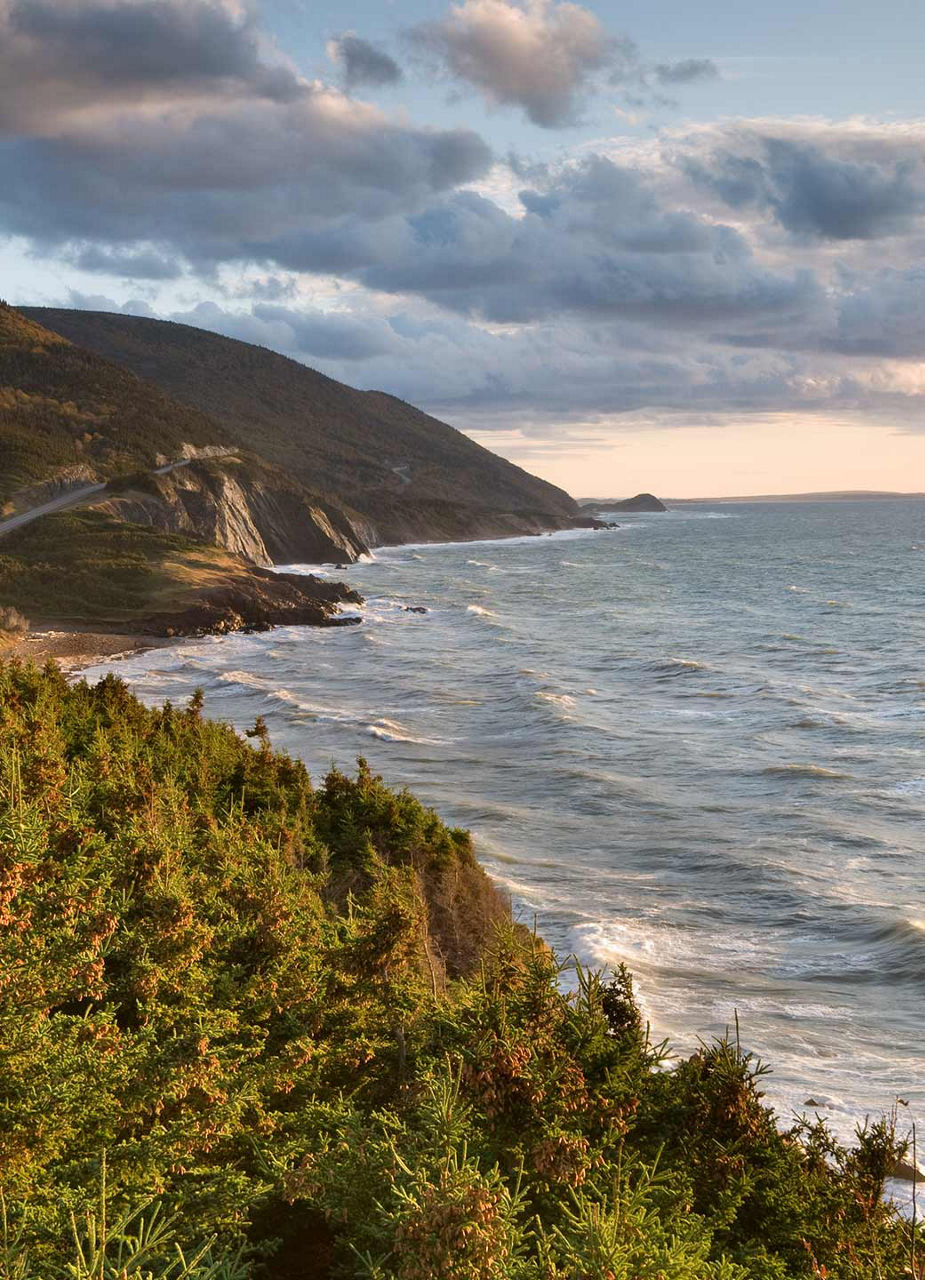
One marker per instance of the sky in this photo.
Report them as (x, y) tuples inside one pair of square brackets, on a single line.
[(669, 247)]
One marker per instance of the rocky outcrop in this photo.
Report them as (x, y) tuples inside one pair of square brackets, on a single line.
[(406, 517), (591, 522), (240, 504), (63, 481), (257, 601)]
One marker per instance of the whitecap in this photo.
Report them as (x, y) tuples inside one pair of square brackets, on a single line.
[(559, 699), (393, 731)]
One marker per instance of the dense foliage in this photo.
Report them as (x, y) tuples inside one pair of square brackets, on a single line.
[(247, 1024)]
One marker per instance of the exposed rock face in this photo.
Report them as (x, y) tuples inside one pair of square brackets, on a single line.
[(257, 601), (76, 477), (641, 502), (242, 505)]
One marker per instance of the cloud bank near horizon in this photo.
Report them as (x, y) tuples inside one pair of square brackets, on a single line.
[(746, 266)]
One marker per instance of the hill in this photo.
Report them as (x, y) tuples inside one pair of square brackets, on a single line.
[(65, 412), (70, 419), (291, 1029), (410, 476), (641, 502)]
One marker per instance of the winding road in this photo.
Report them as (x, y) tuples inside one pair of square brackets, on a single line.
[(75, 497)]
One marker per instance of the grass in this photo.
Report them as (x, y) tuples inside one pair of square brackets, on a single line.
[(84, 567)]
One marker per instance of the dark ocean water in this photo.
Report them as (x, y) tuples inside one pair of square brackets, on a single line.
[(693, 743)]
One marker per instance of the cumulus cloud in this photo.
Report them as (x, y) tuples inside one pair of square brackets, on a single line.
[(363, 63), (134, 264), (687, 71), (594, 241), (212, 148), (756, 264), (538, 55), (540, 378), (60, 58), (816, 182)]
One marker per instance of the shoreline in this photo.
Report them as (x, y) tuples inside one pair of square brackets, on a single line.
[(74, 650)]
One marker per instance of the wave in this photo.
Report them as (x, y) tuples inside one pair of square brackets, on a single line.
[(801, 771), (482, 564), (911, 787), (558, 699), (247, 680), (480, 611), (671, 667), (392, 731)]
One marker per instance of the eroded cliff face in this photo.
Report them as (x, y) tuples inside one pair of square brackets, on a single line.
[(242, 505)]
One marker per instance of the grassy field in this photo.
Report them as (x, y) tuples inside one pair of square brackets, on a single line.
[(84, 568)]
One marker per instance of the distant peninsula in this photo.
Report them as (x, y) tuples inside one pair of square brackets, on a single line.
[(640, 502), (834, 495)]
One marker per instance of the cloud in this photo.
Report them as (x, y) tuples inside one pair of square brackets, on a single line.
[(140, 264), (538, 55), (332, 335), (363, 63), (747, 265), (816, 183), (59, 58), (213, 150), (541, 378), (688, 71), (595, 241)]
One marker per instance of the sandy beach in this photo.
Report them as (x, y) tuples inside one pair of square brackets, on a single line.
[(73, 649)]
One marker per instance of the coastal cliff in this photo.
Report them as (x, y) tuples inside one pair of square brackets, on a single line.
[(85, 569), (243, 505), (406, 475)]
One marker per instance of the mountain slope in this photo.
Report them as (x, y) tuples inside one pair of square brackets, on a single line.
[(411, 476), (70, 419), (63, 408)]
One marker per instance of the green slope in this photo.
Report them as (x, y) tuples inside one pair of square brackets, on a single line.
[(64, 407), (394, 464)]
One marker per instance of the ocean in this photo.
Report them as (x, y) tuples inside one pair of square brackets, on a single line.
[(693, 744)]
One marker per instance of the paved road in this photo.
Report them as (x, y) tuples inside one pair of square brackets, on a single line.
[(74, 498), (61, 503)]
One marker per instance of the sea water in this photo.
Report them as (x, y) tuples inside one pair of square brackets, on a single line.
[(693, 744)]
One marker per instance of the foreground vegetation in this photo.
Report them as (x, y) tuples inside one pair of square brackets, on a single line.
[(251, 1026)]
